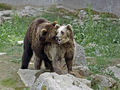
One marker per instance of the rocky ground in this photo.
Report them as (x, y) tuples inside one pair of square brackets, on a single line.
[(9, 79)]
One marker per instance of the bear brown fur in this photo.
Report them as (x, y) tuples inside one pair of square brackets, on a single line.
[(63, 50), (34, 41)]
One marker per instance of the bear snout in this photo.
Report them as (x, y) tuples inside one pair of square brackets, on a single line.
[(56, 37), (59, 41)]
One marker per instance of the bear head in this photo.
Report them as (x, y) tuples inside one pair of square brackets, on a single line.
[(64, 34), (51, 32), (47, 31)]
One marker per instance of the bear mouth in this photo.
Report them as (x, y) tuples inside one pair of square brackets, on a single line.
[(59, 41)]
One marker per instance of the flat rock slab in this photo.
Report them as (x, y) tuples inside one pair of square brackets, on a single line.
[(52, 81), (27, 76)]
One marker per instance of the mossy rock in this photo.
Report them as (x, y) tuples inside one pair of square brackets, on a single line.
[(4, 6), (43, 87)]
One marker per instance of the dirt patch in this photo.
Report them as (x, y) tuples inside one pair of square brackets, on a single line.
[(9, 80)]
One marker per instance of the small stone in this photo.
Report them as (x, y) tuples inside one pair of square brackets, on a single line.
[(6, 13), (96, 17), (118, 65), (82, 70), (2, 53), (67, 17), (20, 42), (7, 18), (115, 70), (103, 81), (82, 14)]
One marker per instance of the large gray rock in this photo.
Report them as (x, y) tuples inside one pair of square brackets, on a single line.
[(27, 76), (80, 59), (30, 11), (115, 70), (6, 13), (103, 81), (53, 81)]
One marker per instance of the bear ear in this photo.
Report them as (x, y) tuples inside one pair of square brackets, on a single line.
[(69, 27), (44, 31), (69, 31), (54, 23), (57, 26), (48, 26)]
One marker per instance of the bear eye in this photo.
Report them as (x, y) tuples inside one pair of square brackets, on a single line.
[(62, 32)]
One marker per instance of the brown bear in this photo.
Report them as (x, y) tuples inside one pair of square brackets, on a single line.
[(34, 41), (63, 50)]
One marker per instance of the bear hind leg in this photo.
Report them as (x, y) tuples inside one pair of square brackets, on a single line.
[(48, 63), (69, 62), (37, 63)]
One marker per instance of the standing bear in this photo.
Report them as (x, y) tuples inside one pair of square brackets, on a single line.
[(63, 50), (34, 41)]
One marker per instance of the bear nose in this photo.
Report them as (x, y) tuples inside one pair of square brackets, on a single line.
[(56, 37)]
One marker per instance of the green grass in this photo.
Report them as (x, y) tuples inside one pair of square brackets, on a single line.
[(99, 38), (22, 88), (104, 34), (11, 82), (100, 63), (8, 82), (13, 31)]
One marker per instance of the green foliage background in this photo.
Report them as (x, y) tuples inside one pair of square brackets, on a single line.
[(99, 38)]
